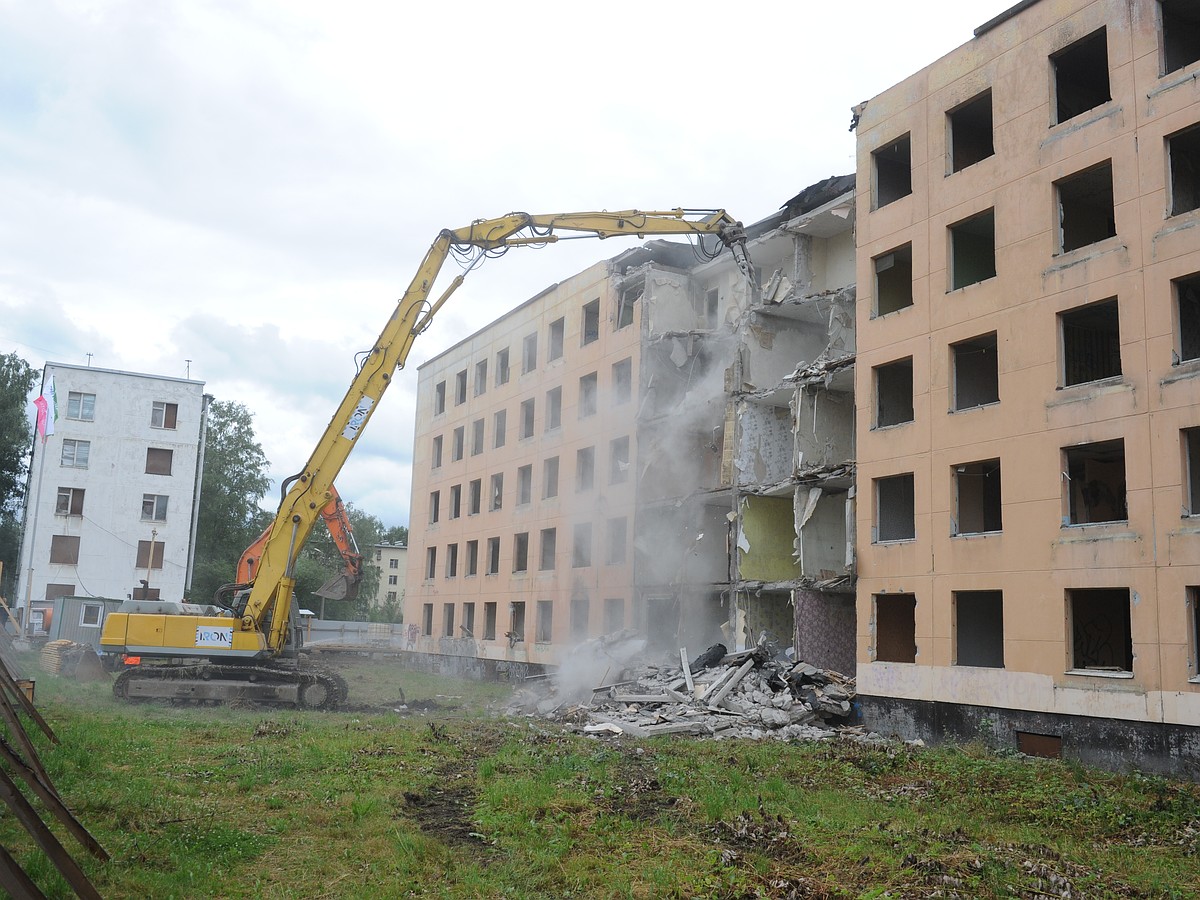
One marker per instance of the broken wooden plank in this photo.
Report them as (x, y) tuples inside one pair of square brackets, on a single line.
[(733, 682), (687, 670)]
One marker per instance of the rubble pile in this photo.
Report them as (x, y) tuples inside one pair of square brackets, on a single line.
[(748, 694)]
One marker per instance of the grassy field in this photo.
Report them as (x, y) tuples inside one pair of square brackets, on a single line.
[(449, 799)]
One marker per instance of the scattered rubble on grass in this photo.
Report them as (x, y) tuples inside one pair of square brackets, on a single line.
[(747, 694)]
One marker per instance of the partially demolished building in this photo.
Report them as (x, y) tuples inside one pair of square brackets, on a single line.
[(654, 443)]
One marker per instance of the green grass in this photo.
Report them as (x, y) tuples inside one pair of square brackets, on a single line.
[(459, 802)]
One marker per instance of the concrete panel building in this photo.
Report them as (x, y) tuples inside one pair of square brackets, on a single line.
[(111, 494), (1029, 379), (392, 561), (622, 451)]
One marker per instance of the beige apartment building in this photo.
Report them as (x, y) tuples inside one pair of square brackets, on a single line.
[(657, 444), (1029, 379), (391, 558)]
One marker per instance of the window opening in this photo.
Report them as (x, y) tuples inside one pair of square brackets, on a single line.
[(497, 492), (549, 548), (894, 393), (1183, 151), (588, 390), (979, 629), (468, 625), (448, 620), (895, 518), (474, 495), (625, 308), (622, 373), (1191, 470), (591, 322), (477, 437), (977, 498), (164, 415), (893, 171), (896, 628), (81, 406), (472, 558), (553, 408), (521, 551), (976, 368), (971, 132), (493, 556), (618, 456), (75, 453), (585, 468), (436, 453), (706, 306), (973, 250), (499, 425), (524, 485), (460, 388), (430, 563), (502, 367), (452, 560), (581, 550), (1101, 636), (435, 506), (545, 621), (1192, 595), (1180, 33), (1091, 342), (1081, 76), (527, 418), (1085, 208), (427, 619), (1187, 308), (489, 621), (893, 280), (554, 349), (614, 614), (529, 354), (70, 501), (154, 507), (580, 613), (456, 450), (618, 530), (1096, 483), (481, 377), (516, 629), (158, 461), (439, 398), (550, 478)]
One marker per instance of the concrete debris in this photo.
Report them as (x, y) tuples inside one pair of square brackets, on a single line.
[(748, 694)]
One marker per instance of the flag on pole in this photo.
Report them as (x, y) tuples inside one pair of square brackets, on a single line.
[(47, 410)]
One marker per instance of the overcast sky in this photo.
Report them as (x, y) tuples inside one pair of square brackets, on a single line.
[(251, 185)]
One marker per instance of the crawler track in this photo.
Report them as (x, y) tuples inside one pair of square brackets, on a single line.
[(304, 688)]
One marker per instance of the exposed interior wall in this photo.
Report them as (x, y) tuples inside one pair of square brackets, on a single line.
[(774, 348), (821, 523), (764, 445), (826, 624), (766, 540), (824, 423), (666, 303), (767, 614)]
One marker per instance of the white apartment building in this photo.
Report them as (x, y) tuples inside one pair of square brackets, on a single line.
[(111, 496)]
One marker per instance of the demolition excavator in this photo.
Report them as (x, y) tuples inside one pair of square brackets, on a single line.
[(246, 644)]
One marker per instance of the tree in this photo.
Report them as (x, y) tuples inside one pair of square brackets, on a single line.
[(320, 549), (397, 534), (235, 480), (17, 378)]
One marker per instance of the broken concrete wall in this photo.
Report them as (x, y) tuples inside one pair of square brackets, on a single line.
[(766, 539), (826, 625), (769, 614), (832, 263), (824, 423), (774, 347), (764, 443), (821, 522), (666, 302)]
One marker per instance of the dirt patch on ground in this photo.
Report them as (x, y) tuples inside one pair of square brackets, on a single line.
[(446, 815)]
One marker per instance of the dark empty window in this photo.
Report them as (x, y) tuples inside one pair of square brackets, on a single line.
[(588, 390), (893, 171), (448, 620), (430, 562), (973, 250), (585, 468), (460, 388), (501, 367), (976, 372), (427, 619), (439, 398), (1085, 208), (1091, 342), (452, 561), (554, 346), (1096, 482), (1183, 151), (477, 437), (1081, 76), (591, 322), (474, 492), (527, 418), (896, 628), (553, 408), (480, 377), (550, 478), (493, 556), (1187, 304), (970, 126), (158, 461), (545, 621), (895, 510), (580, 609), (497, 501), (457, 440), (1180, 33), (618, 460), (706, 306), (499, 425), (436, 452), (625, 309), (521, 551), (435, 506), (622, 380), (524, 485), (64, 549), (472, 558), (977, 497), (455, 501), (979, 628), (1101, 636), (894, 393), (1191, 471), (893, 280), (529, 354), (581, 551), (489, 621), (548, 549)]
